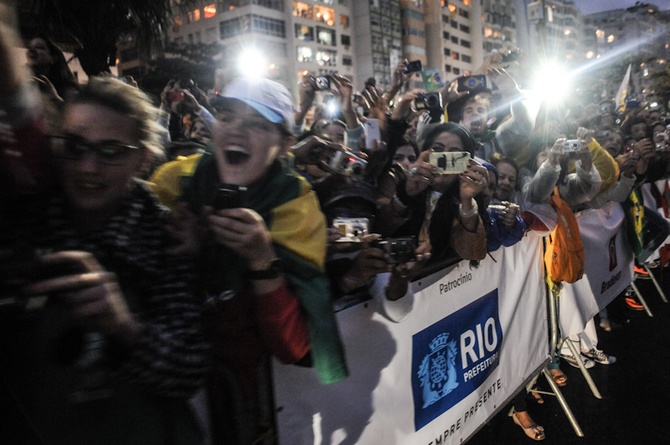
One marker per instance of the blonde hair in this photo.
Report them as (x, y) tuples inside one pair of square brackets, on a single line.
[(118, 96)]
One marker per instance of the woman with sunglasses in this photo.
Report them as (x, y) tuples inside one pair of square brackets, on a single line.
[(99, 334)]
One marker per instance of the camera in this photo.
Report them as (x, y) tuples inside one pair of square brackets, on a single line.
[(351, 230), (20, 265), (449, 162), (187, 84), (322, 83), (473, 84), (412, 67), (511, 56), (348, 164), (229, 196), (398, 250), (429, 101), (572, 145)]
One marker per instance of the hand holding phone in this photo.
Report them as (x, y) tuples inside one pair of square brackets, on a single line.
[(229, 196)]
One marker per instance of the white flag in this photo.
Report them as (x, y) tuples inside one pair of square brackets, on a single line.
[(622, 94)]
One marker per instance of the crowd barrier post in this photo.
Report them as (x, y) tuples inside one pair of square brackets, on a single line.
[(655, 281), (641, 298), (553, 296), (577, 355)]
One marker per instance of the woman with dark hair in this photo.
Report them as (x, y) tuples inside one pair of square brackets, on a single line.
[(49, 66), (444, 211)]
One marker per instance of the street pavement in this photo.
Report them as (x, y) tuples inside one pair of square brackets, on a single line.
[(635, 390)]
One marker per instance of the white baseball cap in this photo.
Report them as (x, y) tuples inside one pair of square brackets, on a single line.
[(271, 99)]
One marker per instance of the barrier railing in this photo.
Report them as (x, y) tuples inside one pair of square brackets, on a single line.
[(473, 339)]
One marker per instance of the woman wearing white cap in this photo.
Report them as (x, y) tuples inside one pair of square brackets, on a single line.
[(262, 259)]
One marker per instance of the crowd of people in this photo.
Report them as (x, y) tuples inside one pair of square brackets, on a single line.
[(156, 258)]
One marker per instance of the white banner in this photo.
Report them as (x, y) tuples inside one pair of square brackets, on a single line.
[(608, 268), (473, 338)]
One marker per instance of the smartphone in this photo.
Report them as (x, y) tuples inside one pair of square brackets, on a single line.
[(413, 66), (229, 196), (474, 83), (372, 132), (450, 162)]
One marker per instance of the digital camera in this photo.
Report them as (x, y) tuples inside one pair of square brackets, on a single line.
[(449, 162), (511, 56), (412, 67), (572, 145), (19, 266), (322, 83), (348, 164), (429, 101), (473, 84), (399, 250), (351, 230)]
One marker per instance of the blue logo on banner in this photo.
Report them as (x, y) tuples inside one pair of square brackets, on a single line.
[(453, 357)]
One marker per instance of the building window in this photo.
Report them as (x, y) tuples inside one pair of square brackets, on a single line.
[(465, 43), (303, 10), (465, 29), (268, 26), (304, 32), (347, 61), (454, 39), (325, 36), (453, 24), (465, 58), (445, 35), (252, 23), (324, 14), (344, 20), (345, 40), (209, 11), (447, 52), (447, 68), (455, 55), (456, 71), (326, 58), (305, 54)]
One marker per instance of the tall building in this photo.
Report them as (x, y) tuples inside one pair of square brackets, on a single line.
[(378, 35), (641, 30), (293, 36), (556, 31)]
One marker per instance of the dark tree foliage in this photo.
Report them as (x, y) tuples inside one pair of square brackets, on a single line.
[(91, 28), (182, 61)]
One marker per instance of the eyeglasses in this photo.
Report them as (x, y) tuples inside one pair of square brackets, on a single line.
[(108, 153)]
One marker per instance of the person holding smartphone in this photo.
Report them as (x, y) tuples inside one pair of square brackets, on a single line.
[(261, 255)]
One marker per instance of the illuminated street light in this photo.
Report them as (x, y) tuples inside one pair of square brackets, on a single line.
[(551, 84), (252, 63)]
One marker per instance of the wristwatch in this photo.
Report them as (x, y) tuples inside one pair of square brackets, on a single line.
[(272, 270)]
